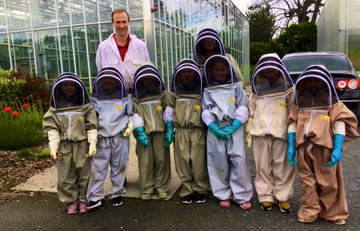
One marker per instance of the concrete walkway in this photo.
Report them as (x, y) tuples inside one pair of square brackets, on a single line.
[(47, 180)]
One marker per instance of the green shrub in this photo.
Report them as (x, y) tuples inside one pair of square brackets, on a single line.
[(21, 126), (17, 86), (35, 152)]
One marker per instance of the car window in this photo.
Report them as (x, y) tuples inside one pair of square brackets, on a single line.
[(332, 62)]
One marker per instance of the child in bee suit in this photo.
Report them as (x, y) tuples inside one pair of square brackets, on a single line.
[(319, 129), (71, 126), (148, 97), (208, 43), (184, 113), (269, 104), (224, 112), (114, 111)]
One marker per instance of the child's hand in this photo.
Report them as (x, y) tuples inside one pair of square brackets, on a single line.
[(142, 137), (54, 143), (218, 132), (169, 134), (230, 129), (53, 153), (92, 139), (291, 149), (92, 149), (129, 129), (336, 155), (248, 140)]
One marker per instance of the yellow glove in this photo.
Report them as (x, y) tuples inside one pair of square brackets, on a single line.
[(248, 140), (129, 129), (54, 143), (92, 139), (92, 149), (248, 128)]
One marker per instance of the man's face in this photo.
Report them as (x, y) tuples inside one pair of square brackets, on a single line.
[(121, 24)]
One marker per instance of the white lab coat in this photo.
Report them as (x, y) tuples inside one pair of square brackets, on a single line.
[(108, 55)]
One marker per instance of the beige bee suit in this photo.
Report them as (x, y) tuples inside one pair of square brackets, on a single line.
[(274, 176)]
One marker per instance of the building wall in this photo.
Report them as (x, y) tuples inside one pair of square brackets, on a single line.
[(47, 37), (339, 28)]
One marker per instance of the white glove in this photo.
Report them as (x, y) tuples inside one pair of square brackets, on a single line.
[(92, 139), (129, 129), (54, 143)]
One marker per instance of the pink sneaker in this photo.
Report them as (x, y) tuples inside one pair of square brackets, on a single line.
[(82, 207), (72, 208), (225, 203), (246, 205)]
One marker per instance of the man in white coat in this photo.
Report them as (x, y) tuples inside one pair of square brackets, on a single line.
[(122, 50)]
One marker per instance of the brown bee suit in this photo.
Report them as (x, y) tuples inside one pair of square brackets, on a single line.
[(322, 188)]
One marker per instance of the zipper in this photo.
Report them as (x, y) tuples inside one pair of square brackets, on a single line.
[(310, 120), (69, 115), (268, 117), (187, 113), (152, 117)]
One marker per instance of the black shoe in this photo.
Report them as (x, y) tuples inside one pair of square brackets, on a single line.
[(117, 201), (95, 204), (199, 198), (187, 199)]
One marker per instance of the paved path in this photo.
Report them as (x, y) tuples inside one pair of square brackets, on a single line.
[(47, 180)]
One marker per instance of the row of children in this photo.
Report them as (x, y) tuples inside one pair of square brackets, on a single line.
[(216, 98)]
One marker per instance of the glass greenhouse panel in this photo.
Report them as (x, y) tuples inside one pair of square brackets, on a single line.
[(18, 15), (119, 4), (90, 11), (77, 14), (105, 9), (135, 9), (80, 51), (67, 49), (4, 52), (63, 12), (47, 54)]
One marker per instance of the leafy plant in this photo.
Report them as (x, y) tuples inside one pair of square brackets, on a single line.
[(21, 126), (17, 86), (35, 152)]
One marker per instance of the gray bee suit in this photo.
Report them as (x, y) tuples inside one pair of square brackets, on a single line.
[(227, 160), (113, 111)]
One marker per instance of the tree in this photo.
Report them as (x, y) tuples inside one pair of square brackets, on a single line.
[(261, 24), (298, 37), (292, 11)]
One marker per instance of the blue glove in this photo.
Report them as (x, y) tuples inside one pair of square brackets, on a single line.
[(336, 153), (291, 149), (235, 125), (142, 137), (169, 134), (218, 132)]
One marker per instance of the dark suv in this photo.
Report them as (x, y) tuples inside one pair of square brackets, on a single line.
[(346, 80)]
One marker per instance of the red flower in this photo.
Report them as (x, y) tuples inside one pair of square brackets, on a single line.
[(8, 109), (15, 113), (26, 105)]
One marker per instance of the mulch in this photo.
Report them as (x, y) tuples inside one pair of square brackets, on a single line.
[(15, 169)]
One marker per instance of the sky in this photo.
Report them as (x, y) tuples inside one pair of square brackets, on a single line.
[(242, 4)]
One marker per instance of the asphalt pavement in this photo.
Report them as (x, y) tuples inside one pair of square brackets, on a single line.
[(43, 211)]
